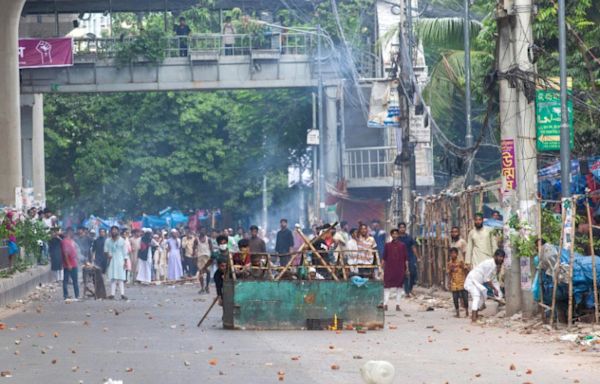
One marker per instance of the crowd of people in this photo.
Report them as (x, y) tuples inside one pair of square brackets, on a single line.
[(199, 254)]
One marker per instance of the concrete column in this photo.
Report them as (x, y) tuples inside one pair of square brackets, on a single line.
[(32, 145), (38, 149), (10, 120), (332, 147), (26, 140)]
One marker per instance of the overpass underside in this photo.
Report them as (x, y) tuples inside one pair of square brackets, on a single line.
[(267, 70)]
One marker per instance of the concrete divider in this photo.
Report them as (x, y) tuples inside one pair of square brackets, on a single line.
[(22, 283)]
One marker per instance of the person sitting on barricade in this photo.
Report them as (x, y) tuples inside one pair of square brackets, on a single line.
[(324, 245), (314, 275)]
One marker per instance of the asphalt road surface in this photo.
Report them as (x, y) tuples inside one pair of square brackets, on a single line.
[(153, 338)]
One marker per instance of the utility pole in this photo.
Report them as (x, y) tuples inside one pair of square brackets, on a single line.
[(265, 210), (565, 136), (404, 93), (315, 164), (469, 129), (517, 120), (321, 128)]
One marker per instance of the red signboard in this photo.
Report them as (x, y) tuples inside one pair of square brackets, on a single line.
[(42, 53), (509, 167)]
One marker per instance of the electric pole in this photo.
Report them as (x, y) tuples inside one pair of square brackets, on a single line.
[(469, 129), (519, 153), (565, 136), (404, 93)]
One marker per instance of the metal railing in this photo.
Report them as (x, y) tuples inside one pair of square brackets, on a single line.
[(183, 46), (369, 162)]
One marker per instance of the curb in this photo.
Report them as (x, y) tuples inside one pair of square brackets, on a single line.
[(21, 284)]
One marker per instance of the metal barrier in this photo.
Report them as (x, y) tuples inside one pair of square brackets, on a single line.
[(187, 46), (369, 162)]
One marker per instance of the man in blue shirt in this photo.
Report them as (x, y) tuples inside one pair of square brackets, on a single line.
[(379, 235), (182, 30), (411, 246)]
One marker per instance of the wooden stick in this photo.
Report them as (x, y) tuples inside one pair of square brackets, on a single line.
[(289, 263), (231, 265), (208, 311), (317, 254), (571, 261), (341, 262), (556, 267), (539, 236), (591, 234), (269, 267)]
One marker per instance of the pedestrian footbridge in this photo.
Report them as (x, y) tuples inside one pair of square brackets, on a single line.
[(198, 62)]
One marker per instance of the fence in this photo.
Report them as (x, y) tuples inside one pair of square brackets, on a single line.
[(183, 46), (435, 216)]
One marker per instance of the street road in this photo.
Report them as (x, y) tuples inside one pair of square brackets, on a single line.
[(152, 338)]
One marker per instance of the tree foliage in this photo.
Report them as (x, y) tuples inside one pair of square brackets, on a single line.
[(145, 151)]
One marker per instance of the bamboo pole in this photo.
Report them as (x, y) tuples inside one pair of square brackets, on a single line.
[(317, 254), (591, 235), (288, 264), (556, 267), (539, 243), (571, 260), (231, 265)]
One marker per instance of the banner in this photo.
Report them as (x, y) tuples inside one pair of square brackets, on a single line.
[(44, 53), (509, 169)]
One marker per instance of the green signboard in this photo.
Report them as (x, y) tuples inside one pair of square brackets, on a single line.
[(547, 112)]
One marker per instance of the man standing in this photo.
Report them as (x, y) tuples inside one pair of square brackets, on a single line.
[(457, 242), (257, 245), (379, 236), (189, 245), (98, 251), (482, 277), (395, 265), (55, 252), (365, 244), (411, 247), (284, 243), (69, 261), (84, 243), (480, 243), (135, 244), (182, 31), (116, 253), (203, 251)]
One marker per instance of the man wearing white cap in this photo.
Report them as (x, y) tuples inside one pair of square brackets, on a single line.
[(144, 265)]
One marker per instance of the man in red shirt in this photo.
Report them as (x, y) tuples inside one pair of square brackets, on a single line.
[(69, 259)]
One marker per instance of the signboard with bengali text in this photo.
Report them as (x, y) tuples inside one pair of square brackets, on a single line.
[(547, 119)]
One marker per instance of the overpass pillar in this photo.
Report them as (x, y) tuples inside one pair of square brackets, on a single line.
[(32, 144), (10, 119), (332, 147)]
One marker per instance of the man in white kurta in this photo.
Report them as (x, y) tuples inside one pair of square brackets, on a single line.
[(116, 254), (480, 278), (481, 243)]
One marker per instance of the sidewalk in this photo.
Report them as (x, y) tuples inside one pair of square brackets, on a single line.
[(21, 284)]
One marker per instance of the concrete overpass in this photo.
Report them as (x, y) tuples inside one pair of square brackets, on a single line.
[(205, 66)]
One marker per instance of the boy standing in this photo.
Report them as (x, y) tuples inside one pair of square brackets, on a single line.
[(457, 272)]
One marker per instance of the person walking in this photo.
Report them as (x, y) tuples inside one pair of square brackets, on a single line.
[(395, 267), (457, 272), (115, 249), (174, 256), (411, 247), (69, 261)]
